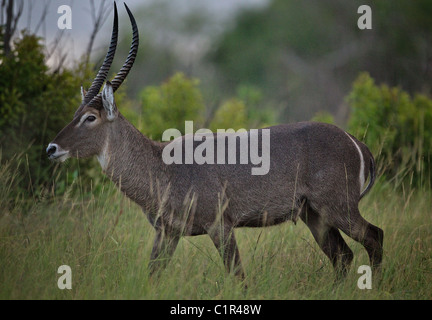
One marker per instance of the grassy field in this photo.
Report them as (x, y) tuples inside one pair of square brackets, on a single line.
[(106, 240)]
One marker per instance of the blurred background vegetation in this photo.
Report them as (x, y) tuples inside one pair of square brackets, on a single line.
[(223, 64), (279, 62)]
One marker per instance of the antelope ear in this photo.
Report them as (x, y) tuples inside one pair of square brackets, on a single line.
[(83, 94), (108, 101)]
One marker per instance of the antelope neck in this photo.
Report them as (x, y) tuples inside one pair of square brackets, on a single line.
[(129, 158)]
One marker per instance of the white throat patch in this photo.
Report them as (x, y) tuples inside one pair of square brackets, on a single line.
[(103, 157)]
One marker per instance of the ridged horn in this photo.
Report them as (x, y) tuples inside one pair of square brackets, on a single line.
[(127, 66), (104, 69), (122, 74)]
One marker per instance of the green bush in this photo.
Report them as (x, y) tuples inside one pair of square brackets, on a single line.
[(179, 99), (169, 106), (323, 116), (230, 115), (259, 113), (397, 128), (35, 104)]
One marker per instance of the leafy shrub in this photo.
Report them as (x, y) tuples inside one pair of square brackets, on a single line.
[(258, 113), (230, 115), (397, 128), (323, 116), (170, 105), (35, 104)]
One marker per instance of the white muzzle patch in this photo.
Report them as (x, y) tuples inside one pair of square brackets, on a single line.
[(56, 153)]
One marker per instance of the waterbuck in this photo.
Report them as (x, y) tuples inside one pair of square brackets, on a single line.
[(317, 173)]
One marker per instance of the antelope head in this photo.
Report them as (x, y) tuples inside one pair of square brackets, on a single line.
[(86, 134)]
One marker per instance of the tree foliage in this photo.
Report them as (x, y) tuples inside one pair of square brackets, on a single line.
[(304, 55), (170, 105), (35, 104), (230, 115), (396, 126)]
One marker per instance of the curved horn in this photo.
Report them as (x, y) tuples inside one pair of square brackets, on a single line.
[(103, 71), (121, 75)]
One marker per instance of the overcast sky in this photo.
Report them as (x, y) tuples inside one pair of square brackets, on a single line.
[(75, 40)]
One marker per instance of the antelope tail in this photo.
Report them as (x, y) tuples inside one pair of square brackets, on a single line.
[(372, 176)]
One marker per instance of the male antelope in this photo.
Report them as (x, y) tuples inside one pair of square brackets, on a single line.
[(317, 172)]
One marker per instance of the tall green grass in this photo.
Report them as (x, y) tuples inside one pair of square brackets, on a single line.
[(106, 240)]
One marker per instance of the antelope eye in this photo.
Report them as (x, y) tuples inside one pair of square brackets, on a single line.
[(91, 118)]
